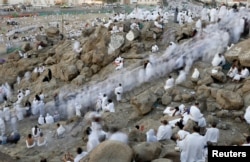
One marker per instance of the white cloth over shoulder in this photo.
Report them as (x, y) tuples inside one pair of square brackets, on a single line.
[(49, 119), (118, 93), (182, 134), (192, 148), (110, 107), (212, 134), (60, 131), (218, 60), (170, 111), (164, 132), (247, 115), (169, 83), (41, 120), (196, 74), (80, 156), (195, 113), (93, 141), (151, 136)]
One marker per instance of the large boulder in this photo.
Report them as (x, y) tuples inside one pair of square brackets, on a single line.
[(219, 76), (69, 72), (26, 47), (246, 86), (166, 99), (145, 152), (110, 151), (229, 100), (52, 31), (203, 91), (116, 41), (143, 102), (239, 52)]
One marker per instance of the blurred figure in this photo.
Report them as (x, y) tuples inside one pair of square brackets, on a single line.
[(151, 136), (80, 154)]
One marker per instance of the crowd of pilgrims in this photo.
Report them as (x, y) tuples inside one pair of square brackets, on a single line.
[(192, 144)]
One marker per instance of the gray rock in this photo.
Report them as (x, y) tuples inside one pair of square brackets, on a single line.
[(147, 151), (222, 113), (143, 102), (166, 99), (229, 100), (110, 151)]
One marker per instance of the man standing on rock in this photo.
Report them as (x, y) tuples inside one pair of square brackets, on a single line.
[(118, 92)]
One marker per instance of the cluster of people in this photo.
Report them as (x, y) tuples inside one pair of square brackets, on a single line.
[(35, 138), (238, 72), (105, 104)]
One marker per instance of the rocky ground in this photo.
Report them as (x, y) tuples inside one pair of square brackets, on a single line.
[(221, 100)]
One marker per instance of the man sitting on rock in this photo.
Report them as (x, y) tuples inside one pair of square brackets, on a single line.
[(60, 131), (169, 82), (30, 141), (164, 131), (212, 134), (194, 116)]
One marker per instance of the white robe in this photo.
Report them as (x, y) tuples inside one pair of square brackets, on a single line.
[(195, 113), (151, 136), (2, 126), (34, 107), (27, 92), (170, 111), (104, 102), (37, 133), (164, 132), (182, 134), (244, 73), (218, 61), (110, 107), (169, 83), (118, 93), (6, 112), (78, 109), (41, 96), (60, 131), (49, 119), (119, 136), (247, 115), (196, 74), (41, 108), (202, 122), (93, 141), (212, 135), (192, 148), (232, 72), (119, 66), (19, 112), (13, 122), (41, 120), (80, 156)]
